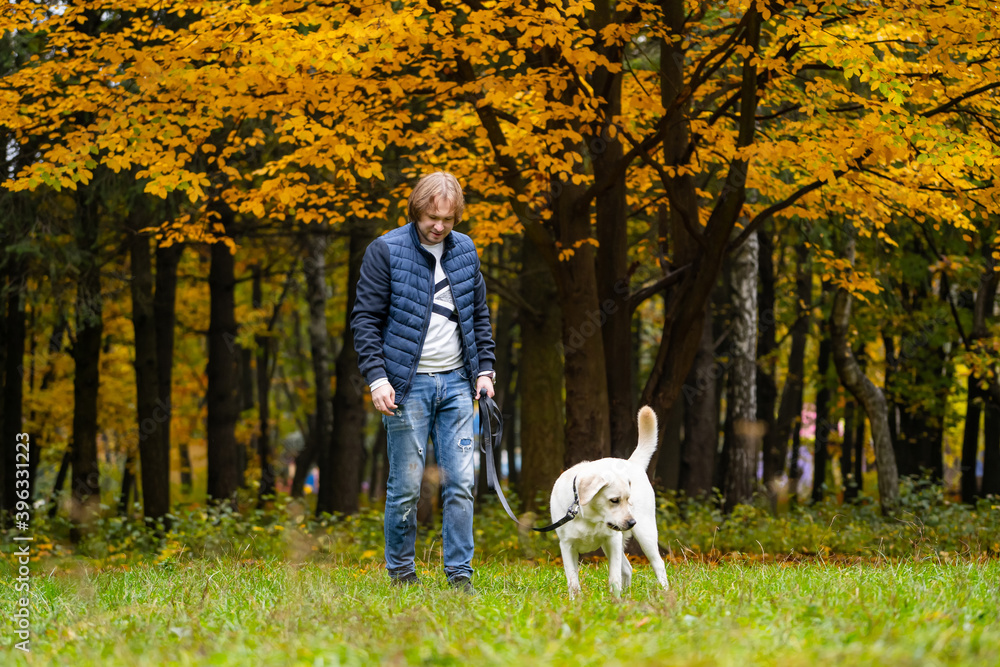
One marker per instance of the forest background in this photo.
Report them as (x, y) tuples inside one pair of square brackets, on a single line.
[(776, 223)]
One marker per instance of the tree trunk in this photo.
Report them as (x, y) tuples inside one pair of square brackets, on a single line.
[(511, 441), (305, 459), (588, 428), (152, 420), (380, 465), (922, 363), (85, 480), (701, 420), (165, 316), (263, 372), (795, 467), (64, 464), (13, 393), (700, 250), (7, 282), (186, 468), (870, 396), (823, 426), (924, 439), (847, 453), (859, 451), (970, 440), (790, 409), (128, 484), (349, 400), (679, 224), (587, 396), (741, 468), (977, 398), (668, 454), (506, 387), (922, 427), (505, 322), (935, 438), (319, 342), (611, 210), (895, 409), (767, 343), (224, 477), (247, 384), (540, 380), (5, 486), (991, 448), (907, 453)]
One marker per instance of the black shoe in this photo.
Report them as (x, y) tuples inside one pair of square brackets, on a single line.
[(408, 579), (462, 584)]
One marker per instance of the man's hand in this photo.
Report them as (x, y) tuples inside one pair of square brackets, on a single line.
[(384, 399), (484, 382)]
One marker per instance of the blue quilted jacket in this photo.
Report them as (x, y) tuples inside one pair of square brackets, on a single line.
[(392, 309)]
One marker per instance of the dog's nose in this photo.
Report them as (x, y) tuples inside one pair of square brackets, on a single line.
[(629, 524)]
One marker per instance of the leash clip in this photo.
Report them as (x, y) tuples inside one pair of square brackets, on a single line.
[(574, 509)]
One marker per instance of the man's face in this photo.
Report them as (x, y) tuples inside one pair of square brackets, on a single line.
[(436, 221)]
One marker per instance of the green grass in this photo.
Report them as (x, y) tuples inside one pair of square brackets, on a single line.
[(826, 584), (324, 612)]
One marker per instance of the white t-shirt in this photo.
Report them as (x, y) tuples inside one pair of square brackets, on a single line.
[(442, 349)]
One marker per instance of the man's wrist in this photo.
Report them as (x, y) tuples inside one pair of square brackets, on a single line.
[(378, 383), (491, 374)]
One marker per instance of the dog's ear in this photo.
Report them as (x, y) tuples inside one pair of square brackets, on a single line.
[(588, 486)]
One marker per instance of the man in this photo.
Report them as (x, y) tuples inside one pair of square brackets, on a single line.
[(425, 346)]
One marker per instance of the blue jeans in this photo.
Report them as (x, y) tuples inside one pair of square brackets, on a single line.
[(439, 406)]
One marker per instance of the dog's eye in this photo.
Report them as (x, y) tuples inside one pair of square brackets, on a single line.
[(615, 501)]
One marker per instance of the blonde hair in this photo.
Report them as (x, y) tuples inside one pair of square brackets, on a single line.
[(435, 187)]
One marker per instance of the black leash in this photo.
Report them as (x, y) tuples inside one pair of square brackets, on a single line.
[(491, 432)]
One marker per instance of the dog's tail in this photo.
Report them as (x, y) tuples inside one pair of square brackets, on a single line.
[(648, 431)]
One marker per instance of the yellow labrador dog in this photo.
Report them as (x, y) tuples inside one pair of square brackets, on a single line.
[(616, 501)]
